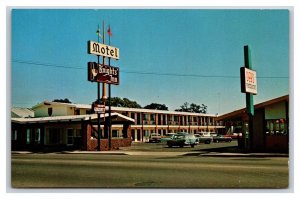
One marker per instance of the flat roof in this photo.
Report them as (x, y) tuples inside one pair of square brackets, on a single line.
[(240, 112), (72, 118), (142, 110), (126, 109)]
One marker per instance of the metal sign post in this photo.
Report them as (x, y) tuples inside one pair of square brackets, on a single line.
[(249, 86), (104, 74)]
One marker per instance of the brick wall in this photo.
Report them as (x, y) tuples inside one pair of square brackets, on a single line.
[(92, 143), (115, 145)]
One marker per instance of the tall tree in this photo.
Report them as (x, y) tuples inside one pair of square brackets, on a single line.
[(66, 100), (116, 101), (194, 108), (184, 107), (157, 106)]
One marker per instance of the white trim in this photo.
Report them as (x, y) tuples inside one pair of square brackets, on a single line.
[(125, 109), (68, 118)]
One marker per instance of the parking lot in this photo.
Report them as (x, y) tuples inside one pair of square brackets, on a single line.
[(163, 147)]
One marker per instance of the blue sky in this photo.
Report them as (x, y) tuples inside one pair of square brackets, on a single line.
[(166, 56)]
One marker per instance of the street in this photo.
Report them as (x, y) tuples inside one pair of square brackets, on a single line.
[(191, 169)]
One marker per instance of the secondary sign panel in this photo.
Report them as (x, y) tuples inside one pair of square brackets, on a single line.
[(96, 48), (98, 108), (103, 73), (248, 81)]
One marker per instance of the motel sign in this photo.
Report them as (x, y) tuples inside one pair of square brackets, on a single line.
[(103, 73), (96, 48), (248, 81)]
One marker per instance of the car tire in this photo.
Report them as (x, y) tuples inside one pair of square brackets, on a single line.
[(192, 145)]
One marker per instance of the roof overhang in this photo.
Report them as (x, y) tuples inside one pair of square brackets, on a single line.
[(116, 119), (239, 113)]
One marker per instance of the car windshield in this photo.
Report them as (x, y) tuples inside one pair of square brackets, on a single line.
[(178, 136)]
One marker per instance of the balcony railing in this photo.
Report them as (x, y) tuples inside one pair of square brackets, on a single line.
[(149, 122), (152, 122), (173, 123)]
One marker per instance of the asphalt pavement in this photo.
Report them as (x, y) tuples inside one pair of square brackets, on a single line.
[(155, 149)]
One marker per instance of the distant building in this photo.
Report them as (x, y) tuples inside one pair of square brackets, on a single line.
[(271, 125), (17, 112)]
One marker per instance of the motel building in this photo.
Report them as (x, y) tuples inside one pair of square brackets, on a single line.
[(271, 125), (60, 126)]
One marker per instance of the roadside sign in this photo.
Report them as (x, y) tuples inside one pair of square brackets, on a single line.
[(248, 81), (98, 108), (96, 48), (103, 73)]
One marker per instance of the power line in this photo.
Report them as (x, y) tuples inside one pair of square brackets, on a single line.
[(144, 73)]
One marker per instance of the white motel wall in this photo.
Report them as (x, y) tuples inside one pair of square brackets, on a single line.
[(146, 121), (55, 116)]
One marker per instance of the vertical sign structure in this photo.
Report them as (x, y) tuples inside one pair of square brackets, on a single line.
[(102, 73), (248, 85), (98, 98)]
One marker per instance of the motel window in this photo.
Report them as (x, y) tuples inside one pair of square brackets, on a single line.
[(50, 111), (77, 111), (176, 118), (77, 132), (138, 118), (276, 127), (37, 137), (145, 116), (14, 135), (28, 136), (53, 136), (115, 133), (152, 117), (88, 112), (70, 137), (132, 116)]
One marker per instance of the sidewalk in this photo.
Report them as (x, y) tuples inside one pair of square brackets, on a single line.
[(150, 153)]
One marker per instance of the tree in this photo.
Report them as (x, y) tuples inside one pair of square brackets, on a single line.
[(66, 100), (118, 102), (157, 106), (193, 108), (131, 104)]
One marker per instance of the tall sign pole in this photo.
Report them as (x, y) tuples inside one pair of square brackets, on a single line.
[(105, 74), (249, 86), (104, 97), (109, 99), (98, 101)]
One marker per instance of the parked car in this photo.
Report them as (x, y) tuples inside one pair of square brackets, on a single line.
[(207, 134), (181, 140), (167, 137), (221, 138), (154, 137), (234, 135), (203, 139)]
